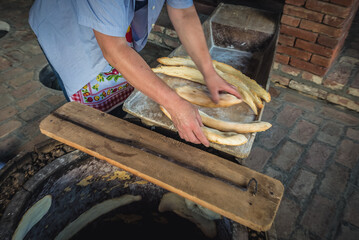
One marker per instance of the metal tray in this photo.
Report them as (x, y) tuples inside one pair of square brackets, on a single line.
[(242, 37)]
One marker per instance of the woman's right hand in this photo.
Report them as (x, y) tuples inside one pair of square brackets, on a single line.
[(187, 121)]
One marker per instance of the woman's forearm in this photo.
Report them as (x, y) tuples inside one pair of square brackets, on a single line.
[(190, 32), (135, 70)]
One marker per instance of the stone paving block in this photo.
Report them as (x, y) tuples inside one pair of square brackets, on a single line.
[(353, 134), (34, 97), (288, 116), (25, 89), (32, 48), (6, 99), (8, 146), (300, 101), (351, 212), (31, 129), (268, 115), (271, 137), (8, 127), (301, 234), (335, 181), (275, 174), (4, 64), (331, 133), (319, 216), (56, 100), (35, 62), (336, 115), (7, 113), (347, 233), (303, 132), (348, 153), (8, 75), (274, 104), (313, 118), (286, 217), (16, 57), (20, 79), (302, 184), (288, 155), (257, 158), (35, 111), (317, 156)]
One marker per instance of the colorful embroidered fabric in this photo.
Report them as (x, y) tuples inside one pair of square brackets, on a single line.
[(108, 90)]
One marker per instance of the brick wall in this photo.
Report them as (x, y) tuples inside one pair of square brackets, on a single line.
[(310, 56)]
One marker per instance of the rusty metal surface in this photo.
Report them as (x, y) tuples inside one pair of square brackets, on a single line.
[(236, 35)]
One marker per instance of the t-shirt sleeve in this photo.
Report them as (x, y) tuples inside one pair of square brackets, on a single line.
[(108, 17), (180, 3)]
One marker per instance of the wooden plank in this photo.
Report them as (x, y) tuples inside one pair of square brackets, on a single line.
[(206, 179)]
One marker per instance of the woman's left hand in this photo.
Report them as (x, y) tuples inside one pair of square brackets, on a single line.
[(216, 84)]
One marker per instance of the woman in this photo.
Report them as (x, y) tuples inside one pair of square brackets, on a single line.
[(87, 41)]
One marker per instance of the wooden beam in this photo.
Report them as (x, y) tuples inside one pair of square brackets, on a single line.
[(211, 181)]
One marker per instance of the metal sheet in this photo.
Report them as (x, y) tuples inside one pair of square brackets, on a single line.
[(243, 43)]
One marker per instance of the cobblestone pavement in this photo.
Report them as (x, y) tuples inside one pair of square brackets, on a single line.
[(313, 147)]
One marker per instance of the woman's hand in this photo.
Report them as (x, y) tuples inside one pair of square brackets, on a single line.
[(187, 121), (216, 84)]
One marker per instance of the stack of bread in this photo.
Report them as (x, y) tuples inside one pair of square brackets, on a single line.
[(216, 130)]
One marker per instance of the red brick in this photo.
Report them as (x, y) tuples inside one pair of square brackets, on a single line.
[(281, 58), (319, 215), (302, 13), (346, 3), (291, 21), (7, 113), (287, 156), (340, 116), (257, 159), (290, 70), (4, 64), (9, 127), (299, 33), (299, 102), (350, 213), (335, 181), (286, 40), (327, 8), (317, 156), (348, 153), (314, 48), (286, 218), (295, 52), (280, 79), (321, 28), (321, 61), (272, 137), (302, 184), (303, 132), (288, 116), (353, 134), (309, 67), (338, 76), (328, 41), (295, 2), (333, 21)]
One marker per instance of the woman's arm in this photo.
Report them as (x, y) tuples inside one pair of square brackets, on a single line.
[(136, 71), (190, 32)]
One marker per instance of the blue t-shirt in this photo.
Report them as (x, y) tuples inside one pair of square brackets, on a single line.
[(64, 29)]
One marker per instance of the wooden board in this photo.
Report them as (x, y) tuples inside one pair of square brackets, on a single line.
[(206, 179)]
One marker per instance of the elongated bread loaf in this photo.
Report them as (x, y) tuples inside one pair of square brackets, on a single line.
[(252, 84), (199, 97), (213, 135), (234, 126), (195, 75)]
